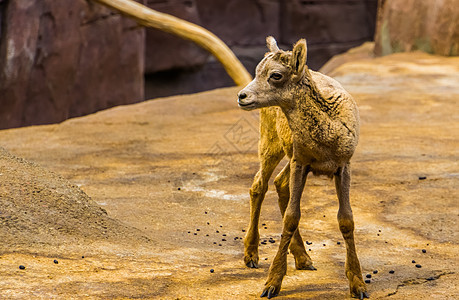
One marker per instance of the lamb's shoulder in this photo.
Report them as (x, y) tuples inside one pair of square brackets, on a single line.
[(338, 103)]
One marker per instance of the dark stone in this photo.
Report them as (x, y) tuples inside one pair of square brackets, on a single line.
[(330, 27), (164, 51), (72, 58), (241, 22), (22, 267)]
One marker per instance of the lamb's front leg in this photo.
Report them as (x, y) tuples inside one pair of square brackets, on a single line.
[(346, 225), (291, 220)]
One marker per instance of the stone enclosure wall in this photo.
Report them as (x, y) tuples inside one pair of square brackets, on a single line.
[(409, 25), (67, 58)]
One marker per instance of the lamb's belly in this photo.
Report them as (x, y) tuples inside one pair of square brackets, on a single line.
[(321, 160)]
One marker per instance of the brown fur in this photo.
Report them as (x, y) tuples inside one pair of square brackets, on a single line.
[(310, 118)]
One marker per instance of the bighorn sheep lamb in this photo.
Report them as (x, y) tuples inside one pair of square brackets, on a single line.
[(310, 118)]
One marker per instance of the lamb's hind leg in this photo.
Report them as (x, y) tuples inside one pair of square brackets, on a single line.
[(268, 162), (302, 259), (346, 226)]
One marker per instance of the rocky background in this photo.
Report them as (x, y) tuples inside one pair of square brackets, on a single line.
[(67, 58)]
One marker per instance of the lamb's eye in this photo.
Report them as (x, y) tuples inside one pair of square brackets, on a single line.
[(276, 76)]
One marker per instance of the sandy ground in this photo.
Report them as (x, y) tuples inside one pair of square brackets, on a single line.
[(151, 197)]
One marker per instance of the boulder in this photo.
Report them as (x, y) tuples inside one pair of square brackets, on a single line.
[(72, 58), (408, 25)]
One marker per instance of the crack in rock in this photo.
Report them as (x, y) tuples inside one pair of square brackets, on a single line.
[(418, 281)]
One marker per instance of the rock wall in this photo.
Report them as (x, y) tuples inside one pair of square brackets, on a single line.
[(408, 25), (61, 59), (66, 58), (330, 26)]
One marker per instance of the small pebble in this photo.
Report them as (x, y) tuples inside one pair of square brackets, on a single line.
[(215, 243), (309, 249), (422, 177), (198, 229), (205, 212), (235, 238), (211, 270), (368, 276), (338, 243), (391, 271), (264, 224), (21, 267), (324, 216), (217, 231), (178, 189), (418, 266), (207, 235), (413, 261), (263, 243), (266, 227), (266, 258), (208, 223), (56, 262), (375, 272), (367, 281), (220, 245), (272, 241), (223, 240), (189, 231), (430, 278), (424, 250), (243, 230), (308, 243), (221, 225), (195, 233), (324, 245), (224, 234), (82, 257)]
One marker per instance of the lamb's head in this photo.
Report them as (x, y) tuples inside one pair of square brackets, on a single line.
[(277, 77)]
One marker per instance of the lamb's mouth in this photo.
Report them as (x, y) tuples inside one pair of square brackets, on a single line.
[(242, 104)]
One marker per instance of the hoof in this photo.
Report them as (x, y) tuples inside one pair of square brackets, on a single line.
[(358, 287), (252, 264), (304, 263), (251, 261), (272, 286), (362, 295), (310, 268), (270, 292)]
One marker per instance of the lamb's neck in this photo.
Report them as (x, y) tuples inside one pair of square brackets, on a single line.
[(306, 113)]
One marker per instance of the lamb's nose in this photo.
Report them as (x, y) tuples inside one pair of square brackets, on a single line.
[(242, 96)]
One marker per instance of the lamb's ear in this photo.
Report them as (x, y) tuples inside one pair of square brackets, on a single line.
[(298, 63), (271, 44)]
